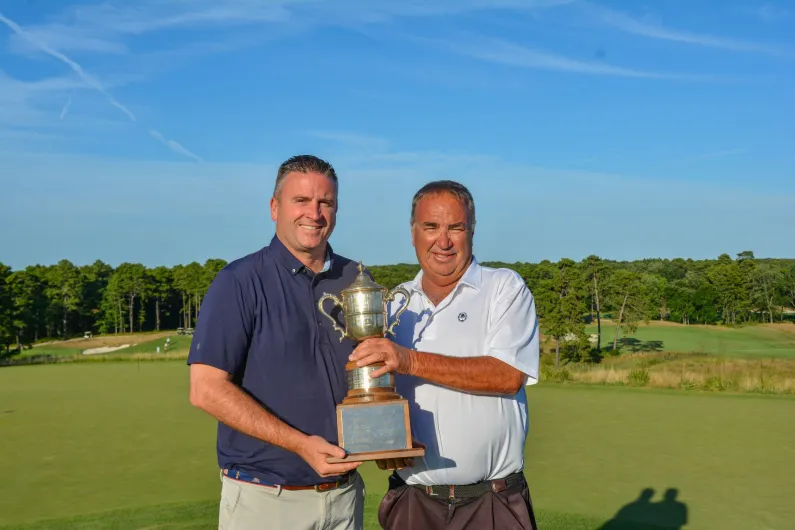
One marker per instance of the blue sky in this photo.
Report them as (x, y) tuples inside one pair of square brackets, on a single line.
[(151, 130)]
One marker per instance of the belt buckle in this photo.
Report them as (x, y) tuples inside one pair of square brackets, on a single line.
[(325, 487), (329, 485)]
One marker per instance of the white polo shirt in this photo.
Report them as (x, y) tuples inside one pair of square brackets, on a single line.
[(469, 437)]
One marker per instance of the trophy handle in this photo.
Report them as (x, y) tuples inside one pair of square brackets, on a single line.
[(405, 306), (337, 302)]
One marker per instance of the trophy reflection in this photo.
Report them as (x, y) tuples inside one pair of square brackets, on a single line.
[(373, 419)]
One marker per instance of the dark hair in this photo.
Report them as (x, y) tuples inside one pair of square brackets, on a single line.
[(303, 164), (458, 190)]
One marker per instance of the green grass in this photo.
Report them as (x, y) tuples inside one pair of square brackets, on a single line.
[(83, 441), (743, 342)]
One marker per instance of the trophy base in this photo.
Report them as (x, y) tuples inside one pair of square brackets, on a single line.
[(374, 429), (378, 455)]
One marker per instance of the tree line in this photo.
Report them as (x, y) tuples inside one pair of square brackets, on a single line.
[(65, 300), (570, 295)]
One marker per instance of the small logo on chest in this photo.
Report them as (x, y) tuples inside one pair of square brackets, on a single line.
[(462, 317)]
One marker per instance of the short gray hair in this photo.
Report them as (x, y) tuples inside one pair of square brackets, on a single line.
[(303, 164), (458, 190)]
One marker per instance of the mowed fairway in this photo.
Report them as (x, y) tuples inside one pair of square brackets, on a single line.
[(82, 440), (757, 341)]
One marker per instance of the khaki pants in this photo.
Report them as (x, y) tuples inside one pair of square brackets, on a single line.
[(246, 506)]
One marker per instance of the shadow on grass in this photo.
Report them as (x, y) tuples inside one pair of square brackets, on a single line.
[(643, 514), (634, 345)]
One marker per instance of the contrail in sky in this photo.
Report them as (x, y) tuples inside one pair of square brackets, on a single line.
[(91, 82)]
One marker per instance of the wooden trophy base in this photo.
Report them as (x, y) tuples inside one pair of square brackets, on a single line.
[(373, 424), (382, 455)]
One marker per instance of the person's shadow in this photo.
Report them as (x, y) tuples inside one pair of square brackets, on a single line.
[(642, 514)]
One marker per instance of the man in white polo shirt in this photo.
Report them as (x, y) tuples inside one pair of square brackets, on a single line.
[(464, 351)]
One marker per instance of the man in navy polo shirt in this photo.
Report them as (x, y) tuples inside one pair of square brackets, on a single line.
[(268, 367)]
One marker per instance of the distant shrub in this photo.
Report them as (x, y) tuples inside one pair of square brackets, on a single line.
[(555, 375), (687, 384), (715, 383), (638, 377), (547, 359)]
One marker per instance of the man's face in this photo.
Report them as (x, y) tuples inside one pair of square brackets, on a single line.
[(441, 237), (305, 211)]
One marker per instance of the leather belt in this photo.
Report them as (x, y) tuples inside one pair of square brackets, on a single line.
[(236, 474), (465, 491)]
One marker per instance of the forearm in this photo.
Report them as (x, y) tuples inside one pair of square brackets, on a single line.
[(226, 402), (478, 375)]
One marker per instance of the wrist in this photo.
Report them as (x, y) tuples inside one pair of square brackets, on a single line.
[(296, 442), (413, 362)]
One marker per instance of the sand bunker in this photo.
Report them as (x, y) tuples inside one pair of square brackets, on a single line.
[(105, 349)]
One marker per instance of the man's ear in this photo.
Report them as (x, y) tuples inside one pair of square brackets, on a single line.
[(274, 206)]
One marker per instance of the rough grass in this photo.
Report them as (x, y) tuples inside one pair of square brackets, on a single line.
[(83, 441), (680, 371)]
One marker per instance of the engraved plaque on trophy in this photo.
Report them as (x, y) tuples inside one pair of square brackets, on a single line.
[(373, 419)]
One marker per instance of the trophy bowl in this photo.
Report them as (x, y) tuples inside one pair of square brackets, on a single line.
[(363, 305)]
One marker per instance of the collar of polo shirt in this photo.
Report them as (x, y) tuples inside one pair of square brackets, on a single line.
[(473, 277), (292, 263)]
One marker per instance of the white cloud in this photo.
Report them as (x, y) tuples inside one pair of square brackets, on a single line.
[(174, 146), (766, 12), (628, 24), (103, 28), (507, 53)]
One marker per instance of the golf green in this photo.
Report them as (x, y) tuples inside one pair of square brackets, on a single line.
[(82, 441)]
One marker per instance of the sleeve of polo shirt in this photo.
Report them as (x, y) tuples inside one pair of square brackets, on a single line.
[(223, 329), (512, 335)]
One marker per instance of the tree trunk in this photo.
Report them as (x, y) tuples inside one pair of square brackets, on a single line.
[(196, 304), (557, 351), (132, 302), (120, 317), (598, 316), (186, 313), (620, 317), (157, 314), (65, 299), (19, 342)]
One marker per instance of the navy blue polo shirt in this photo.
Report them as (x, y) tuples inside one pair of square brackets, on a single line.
[(259, 321)]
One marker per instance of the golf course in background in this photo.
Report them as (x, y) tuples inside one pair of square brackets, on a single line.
[(117, 445), (746, 342)]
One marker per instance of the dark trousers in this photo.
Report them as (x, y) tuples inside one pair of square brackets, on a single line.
[(407, 507)]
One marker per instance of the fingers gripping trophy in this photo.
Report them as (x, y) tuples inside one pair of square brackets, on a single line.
[(373, 419)]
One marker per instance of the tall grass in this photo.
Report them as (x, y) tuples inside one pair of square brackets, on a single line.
[(685, 371)]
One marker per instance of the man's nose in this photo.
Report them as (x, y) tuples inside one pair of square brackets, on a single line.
[(314, 211), (444, 241)]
